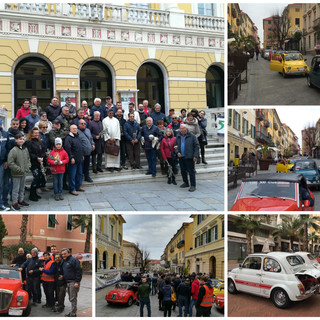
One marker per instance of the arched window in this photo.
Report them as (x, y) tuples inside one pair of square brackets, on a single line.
[(33, 77), (105, 260), (151, 85), (114, 260), (95, 82), (215, 87)]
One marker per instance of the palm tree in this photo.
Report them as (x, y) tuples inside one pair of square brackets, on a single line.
[(84, 221), (23, 228), (308, 221), (248, 223), (314, 238)]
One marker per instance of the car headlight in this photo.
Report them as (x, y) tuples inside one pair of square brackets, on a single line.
[(289, 68), (19, 298)]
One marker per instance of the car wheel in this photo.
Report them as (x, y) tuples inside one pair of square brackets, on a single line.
[(110, 303), (130, 301), (280, 298), (26, 312), (232, 287), (284, 74), (309, 82)]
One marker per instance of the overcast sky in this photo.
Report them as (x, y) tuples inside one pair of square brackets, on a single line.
[(298, 117), (152, 231), (258, 12)]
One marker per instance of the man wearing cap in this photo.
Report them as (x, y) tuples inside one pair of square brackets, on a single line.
[(64, 119), (31, 266), (143, 295), (112, 135), (33, 117), (4, 146), (106, 107), (53, 109), (24, 110)]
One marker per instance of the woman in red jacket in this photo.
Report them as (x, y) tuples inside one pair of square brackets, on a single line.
[(58, 159), (168, 155)]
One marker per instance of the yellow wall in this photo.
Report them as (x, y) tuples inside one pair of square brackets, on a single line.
[(292, 14), (233, 21)]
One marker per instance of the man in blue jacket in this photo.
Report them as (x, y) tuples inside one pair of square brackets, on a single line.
[(4, 150), (187, 149), (132, 134), (72, 275), (157, 115), (151, 134)]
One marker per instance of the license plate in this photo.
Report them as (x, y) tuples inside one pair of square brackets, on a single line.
[(113, 296), (301, 69), (314, 181), (15, 312)]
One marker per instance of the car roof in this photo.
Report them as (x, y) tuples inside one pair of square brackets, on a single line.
[(7, 267), (276, 254), (292, 177)]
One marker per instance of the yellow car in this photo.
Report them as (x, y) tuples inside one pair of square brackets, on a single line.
[(218, 288), (284, 165), (289, 64)]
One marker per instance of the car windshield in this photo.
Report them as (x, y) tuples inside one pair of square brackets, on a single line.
[(305, 165), (272, 189), (9, 274), (122, 286), (311, 257), (295, 260), (293, 57)]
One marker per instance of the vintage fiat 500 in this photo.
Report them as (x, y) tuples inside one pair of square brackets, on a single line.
[(123, 293), (14, 300), (309, 259), (272, 192), (283, 277), (284, 165)]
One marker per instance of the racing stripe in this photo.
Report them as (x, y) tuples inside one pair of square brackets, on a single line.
[(254, 284)]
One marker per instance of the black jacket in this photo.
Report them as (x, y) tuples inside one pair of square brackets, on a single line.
[(71, 269), (73, 146), (36, 151), (191, 149), (184, 290), (58, 273), (52, 112), (19, 260), (32, 264)]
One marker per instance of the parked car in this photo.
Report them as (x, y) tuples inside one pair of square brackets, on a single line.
[(219, 301), (218, 287), (289, 64), (266, 54), (272, 192), (309, 169), (123, 293), (280, 276), (284, 165), (313, 79), (309, 259), (14, 300)]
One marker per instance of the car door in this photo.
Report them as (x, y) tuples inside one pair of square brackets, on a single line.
[(276, 63), (271, 274), (315, 71), (248, 277)]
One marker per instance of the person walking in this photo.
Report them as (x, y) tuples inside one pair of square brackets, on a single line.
[(167, 291), (183, 295), (195, 286), (154, 281), (187, 149), (205, 298), (72, 275), (143, 295)]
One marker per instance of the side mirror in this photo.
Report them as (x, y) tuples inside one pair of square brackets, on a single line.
[(306, 203), (240, 265)]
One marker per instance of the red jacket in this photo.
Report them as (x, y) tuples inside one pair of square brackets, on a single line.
[(22, 112), (164, 147), (195, 286), (58, 154)]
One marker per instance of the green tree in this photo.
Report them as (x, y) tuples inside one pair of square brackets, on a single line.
[(248, 223), (308, 222), (84, 221), (10, 251), (314, 238), (23, 228), (3, 233)]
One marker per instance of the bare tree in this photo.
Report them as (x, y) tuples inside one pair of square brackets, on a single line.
[(308, 137), (280, 29), (141, 256)]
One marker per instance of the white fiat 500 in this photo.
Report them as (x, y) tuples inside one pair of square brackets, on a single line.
[(281, 276), (309, 259)]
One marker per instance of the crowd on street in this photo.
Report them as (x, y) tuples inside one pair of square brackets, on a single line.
[(58, 272), (185, 292), (64, 141)]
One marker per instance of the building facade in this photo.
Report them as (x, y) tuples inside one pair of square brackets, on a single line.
[(207, 253), (311, 27), (43, 230), (167, 53), (269, 36), (234, 19), (132, 255), (292, 13), (308, 140), (109, 241)]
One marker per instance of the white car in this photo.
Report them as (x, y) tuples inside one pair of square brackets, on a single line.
[(309, 259), (283, 277)]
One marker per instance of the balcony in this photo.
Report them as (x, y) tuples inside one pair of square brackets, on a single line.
[(167, 265), (266, 123), (316, 24), (275, 126), (234, 12), (262, 138), (238, 22), (175, 260), (259, 116), (171, 249), (180, 244)]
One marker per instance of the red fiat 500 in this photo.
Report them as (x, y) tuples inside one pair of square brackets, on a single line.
[(14, 300), (273, 192), (219, 301), (124, 293)]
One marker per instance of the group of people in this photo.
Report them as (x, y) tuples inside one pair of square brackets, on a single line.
[(186, 292), (59, 273), (67, 139)]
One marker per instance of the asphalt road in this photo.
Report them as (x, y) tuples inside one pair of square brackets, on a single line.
[(105, 310), (232, 192), (246, 305), (266, 87)]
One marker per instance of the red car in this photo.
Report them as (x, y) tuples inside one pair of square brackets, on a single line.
[(124, 293), (272, 192), (219, 301), (14, 300)]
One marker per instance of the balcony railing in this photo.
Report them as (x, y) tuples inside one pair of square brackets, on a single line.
[(316, 24), (275, 126), (171, 249), (180, 244), (115, 13), (262, 138), (259, 116)]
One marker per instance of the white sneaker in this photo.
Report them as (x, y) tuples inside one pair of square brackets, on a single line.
[(4, 208)]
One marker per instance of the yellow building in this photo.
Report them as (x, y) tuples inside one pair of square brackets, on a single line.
[(207, 253), (168, 53), (179, 244), (276, 134), (241, 132), (234, 19), (109, 241), (292, 14)]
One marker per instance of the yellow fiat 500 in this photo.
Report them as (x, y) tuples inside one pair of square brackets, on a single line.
[(289, 64), (284, 165)]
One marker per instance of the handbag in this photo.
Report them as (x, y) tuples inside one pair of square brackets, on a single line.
[(173, 295), (111, 148)]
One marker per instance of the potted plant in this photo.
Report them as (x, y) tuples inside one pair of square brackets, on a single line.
[(264, 162)]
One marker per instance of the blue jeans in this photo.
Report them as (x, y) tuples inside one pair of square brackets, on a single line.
[(4, 184), (192, 303), (151, 155), (187, 166), (145, 301), (183, 301), (154, 288), (75, 176), (57, 182)]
